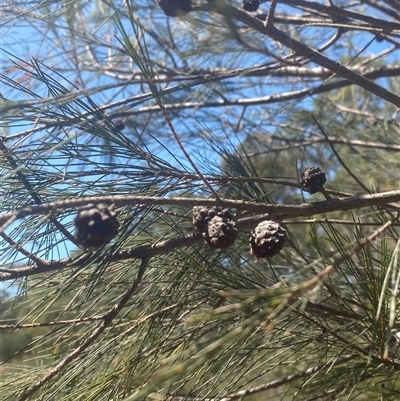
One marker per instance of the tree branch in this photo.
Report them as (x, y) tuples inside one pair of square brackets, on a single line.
[(304, 209), (313, 55), (278, 212)]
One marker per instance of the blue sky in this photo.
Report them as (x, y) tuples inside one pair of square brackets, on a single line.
[(39, 41)]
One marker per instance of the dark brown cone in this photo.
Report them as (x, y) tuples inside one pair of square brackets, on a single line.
[(95, 226), (312, 179), (175, 8), (220, 233), (267, 239), (251, 5), (203, 214)]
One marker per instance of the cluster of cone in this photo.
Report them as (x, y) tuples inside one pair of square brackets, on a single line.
[(218, 229), (96, 225), (216, 225)]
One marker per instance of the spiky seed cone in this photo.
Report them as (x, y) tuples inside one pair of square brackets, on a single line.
[(251, 5), (220, 233), (203, 214), (267, 239), (312, 179), (200, 218), (175, 8), (95, 226)]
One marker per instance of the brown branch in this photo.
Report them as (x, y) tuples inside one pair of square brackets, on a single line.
[(320, 72), (273, 70), (141, 175), (313, 55), (393, 3), (306, 21), (284, 97), (271, 14), (20, 249), (379, 6), (304, 209), (139, 252), (338, 13)]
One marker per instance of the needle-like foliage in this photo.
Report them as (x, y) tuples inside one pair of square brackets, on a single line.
[(119, 119)]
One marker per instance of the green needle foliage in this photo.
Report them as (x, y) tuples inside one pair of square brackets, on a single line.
[(144, 116)]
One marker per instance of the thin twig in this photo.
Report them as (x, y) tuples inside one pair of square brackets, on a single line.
[(333, 221), (52, 323), (341, 161), (295, 143), (184, 151), (271, 13), (22, 250), (108, 318), (329, 269), (32, 192), (279, 382)]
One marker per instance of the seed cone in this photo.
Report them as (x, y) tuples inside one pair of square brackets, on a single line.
[(202, 215), (95, 226), (220, 233), (216, 224), (251, 5), (175, 8), (267, 239), (312, 179)]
